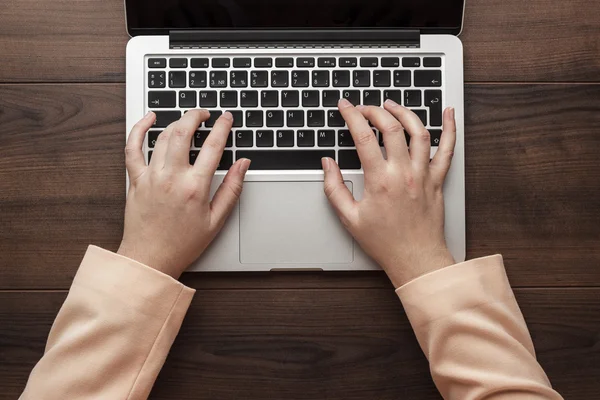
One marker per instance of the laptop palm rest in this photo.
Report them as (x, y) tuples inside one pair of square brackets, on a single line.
[(291, 225)]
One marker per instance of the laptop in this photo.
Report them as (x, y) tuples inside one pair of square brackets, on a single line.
[(280, 67)]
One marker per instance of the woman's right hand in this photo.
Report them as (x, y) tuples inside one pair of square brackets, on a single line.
[(400, 220)]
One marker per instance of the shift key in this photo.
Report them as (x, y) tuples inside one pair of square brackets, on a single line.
[(165, 118)]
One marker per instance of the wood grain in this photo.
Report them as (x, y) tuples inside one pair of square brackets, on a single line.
[(531, 169), (504, 40), (312, 344)]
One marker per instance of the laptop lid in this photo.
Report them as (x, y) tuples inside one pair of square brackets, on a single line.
[(159, 17)]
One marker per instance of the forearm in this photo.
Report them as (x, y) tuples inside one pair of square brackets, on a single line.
[(112, 334), (472, 331)]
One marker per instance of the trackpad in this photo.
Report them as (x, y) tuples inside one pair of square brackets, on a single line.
[(291, 223)]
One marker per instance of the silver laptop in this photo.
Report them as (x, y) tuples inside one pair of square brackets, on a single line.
[(280, 67)]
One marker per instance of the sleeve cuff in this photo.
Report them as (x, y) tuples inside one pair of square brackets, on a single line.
[(455, 288), (131, 283)]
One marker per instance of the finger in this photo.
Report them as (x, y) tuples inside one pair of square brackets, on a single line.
[(366, 143), (134, 156), (337, 192), (443, 157), (212, 149), (392, 131), (229, 192), (180, 138), (160, 149), (420, 146)]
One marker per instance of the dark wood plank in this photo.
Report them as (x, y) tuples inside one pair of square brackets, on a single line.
[(532, 187), (505, 40), (313, 344)]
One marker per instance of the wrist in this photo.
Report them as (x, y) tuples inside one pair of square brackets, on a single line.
[(144, 257), (405, 268)]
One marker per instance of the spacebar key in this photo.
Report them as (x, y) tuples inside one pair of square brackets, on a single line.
[(285, 159)]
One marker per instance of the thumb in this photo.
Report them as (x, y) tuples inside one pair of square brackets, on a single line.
[(230, 190), (336, 190)]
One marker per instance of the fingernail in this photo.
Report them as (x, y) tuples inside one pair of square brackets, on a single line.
[(391, 103), (343, 103), (325, 163), (451, 112), (244, 166), (228, 115), (148, 114)]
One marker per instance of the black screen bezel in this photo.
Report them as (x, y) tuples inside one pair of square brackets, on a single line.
[(165, 31)]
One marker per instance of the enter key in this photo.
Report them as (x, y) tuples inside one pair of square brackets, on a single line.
[(433, 100)]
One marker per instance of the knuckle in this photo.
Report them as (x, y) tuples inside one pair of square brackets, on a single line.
[(235, 187), (363, 138), (424, 135), (392, 127), (212, 145), (179, 131), (129, 151), (163, 136)]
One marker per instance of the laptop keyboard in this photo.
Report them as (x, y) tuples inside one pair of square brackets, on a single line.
[(285, 108)]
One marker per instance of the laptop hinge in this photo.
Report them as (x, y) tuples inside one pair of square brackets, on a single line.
[(186, 39)]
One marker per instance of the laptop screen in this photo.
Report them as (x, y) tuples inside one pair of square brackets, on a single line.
[(160, 16)]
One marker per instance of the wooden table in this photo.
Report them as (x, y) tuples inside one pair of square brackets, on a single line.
[(533, 194)]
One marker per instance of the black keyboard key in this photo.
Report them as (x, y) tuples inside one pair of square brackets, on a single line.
[(284, 62), (165, 118), (259, 78), (149, 156), (285, 159), (254, 119), (341, 78), (412, 98), (177, 79), (274, 118), (285, 138), (178, 63), (280, 78), (390, 62), (382, 79), (220, 62), (369, 62), (152, 138), (193, 156), (432, 62), (436, 136), (300, 79), (348, 62), (208, 98), (305, 138), (331, 98), (320, 78), (249, 98), (199, 62), (361, 78), (187, 99), (295, 118), (353, 96), (411, 62), (428, 78), (348, 159), (402, 78), (157, 79), (315, 118), (372, 98), (335, 119), (433, 100), (200, 137), (264, 138), (290, 98), (229, 142), (394, 95), (326, 62), (263, 62), (345, 138), (244, 138), (238, 118), (198, 79), (214, 116), (218, 79), (422, 114), (239, 79), (226, 161), (269, 98), (305, 62), (326, 137), (157, 63), (242, 62), (310, 98), (162, 99), (228, 98)]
